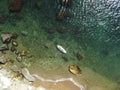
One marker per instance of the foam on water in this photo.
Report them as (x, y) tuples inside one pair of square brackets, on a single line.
[(61, 80)]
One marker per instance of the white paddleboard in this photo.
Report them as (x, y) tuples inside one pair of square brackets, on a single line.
[(61, 49)]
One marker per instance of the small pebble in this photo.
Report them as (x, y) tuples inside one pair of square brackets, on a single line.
[(14, 35), (19, 58), (14, 43), (23, 53), (13, 49), (17, 52)]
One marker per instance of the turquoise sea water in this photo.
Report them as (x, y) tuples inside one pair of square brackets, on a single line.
[(92, 29)]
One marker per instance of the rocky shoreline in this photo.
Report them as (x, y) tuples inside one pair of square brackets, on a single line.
[(7, 81), (12, 77)]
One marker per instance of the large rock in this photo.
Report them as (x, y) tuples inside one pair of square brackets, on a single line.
[(2, 60), (6, 37), (4, 47), (38, 4), (74, 69), (15, 68), (27, 75), (15, 6)]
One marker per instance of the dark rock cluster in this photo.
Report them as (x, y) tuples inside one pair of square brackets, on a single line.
[(6, 38), (16, 5), (63, 12)]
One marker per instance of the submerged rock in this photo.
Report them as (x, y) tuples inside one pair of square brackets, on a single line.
[(24, 33), (14, 43), (4, 47), (2, 19), (79, 56), (38, 4), (27, 75), (6, 37), (13, 49), (2, 60), (14, 35), (15, 6), (23, 53), (74, 69), (19, 58)]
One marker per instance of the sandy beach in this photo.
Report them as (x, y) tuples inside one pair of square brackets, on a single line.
[(88, 80), (58, 79)]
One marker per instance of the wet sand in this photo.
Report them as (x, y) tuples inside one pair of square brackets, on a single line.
[(88, 79), (66, 85), (63, 79)]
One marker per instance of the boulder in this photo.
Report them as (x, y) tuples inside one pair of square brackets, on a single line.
[(6, 37), (2, 60), (15, 68), (27, 75), (15, 6), (4, 47), (74, 69)]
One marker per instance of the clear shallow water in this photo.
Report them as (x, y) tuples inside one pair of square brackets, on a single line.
[(98, 22), (93, 29)]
